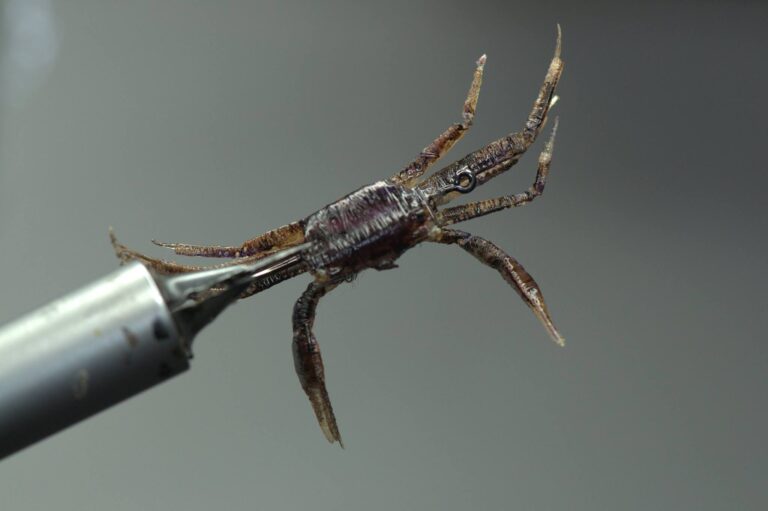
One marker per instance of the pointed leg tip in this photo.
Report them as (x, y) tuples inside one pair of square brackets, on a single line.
[(163, 244), (113, 240), (555, 335), (331, 435), (541, 313), (559, 43), (556, 64), (481, 61), (121, 251), (555, 125), (545, 157)]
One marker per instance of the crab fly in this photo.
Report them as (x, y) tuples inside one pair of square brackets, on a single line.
[(373, 226)]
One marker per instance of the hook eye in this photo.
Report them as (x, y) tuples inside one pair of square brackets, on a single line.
[(462, 175)]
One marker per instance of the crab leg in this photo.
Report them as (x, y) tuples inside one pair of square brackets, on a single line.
[(443, 143), (470, 210), (164, 267), (282, 237), (309, 362), (498, 156), (511, 270)]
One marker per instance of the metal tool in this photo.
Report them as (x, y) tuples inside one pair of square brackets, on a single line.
[(110, 340)]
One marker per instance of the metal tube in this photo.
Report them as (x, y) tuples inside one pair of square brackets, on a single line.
[(83, 353)]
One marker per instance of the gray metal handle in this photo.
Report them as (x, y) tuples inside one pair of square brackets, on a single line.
[(83, 353)]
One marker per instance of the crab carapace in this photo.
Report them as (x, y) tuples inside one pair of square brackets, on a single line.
[(373, 226)]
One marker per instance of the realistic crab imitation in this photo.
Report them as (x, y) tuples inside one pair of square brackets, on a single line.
[(373, 226)]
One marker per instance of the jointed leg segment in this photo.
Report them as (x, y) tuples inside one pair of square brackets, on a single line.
[(162, 266), (445, 141), (165, 267), (546, 97), (500, 155), (464, 212), (282, 237), (511, 270), (307, 359)]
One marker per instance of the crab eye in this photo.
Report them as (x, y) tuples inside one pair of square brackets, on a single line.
[(464, 181)]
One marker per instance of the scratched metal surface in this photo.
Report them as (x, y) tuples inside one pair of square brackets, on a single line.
[(213, 122)]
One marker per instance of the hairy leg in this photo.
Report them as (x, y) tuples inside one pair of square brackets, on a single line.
[(282, 237), (511, 270), (443, 143), (500, 155), (464, 212), (308, 361), (164, 267)]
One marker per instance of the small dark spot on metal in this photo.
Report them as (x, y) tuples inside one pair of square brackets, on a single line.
[(160, 330), (80, 384), (130, 338)]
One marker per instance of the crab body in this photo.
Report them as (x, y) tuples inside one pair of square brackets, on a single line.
[(369, 228), (373, 226)]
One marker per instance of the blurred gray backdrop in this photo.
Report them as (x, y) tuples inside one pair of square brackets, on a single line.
[(211, 122)]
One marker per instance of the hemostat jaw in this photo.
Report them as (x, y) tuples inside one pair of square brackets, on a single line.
[(197, 298)]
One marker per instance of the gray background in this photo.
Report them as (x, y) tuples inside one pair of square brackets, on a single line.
[(215, 121)]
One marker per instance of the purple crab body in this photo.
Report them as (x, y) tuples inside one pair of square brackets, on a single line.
[(368, 228)]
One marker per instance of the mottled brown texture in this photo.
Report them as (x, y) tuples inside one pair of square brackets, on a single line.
[(285, 236), (502, 154), (510, 269), (373, 226), (471, 210), (443, 143)]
